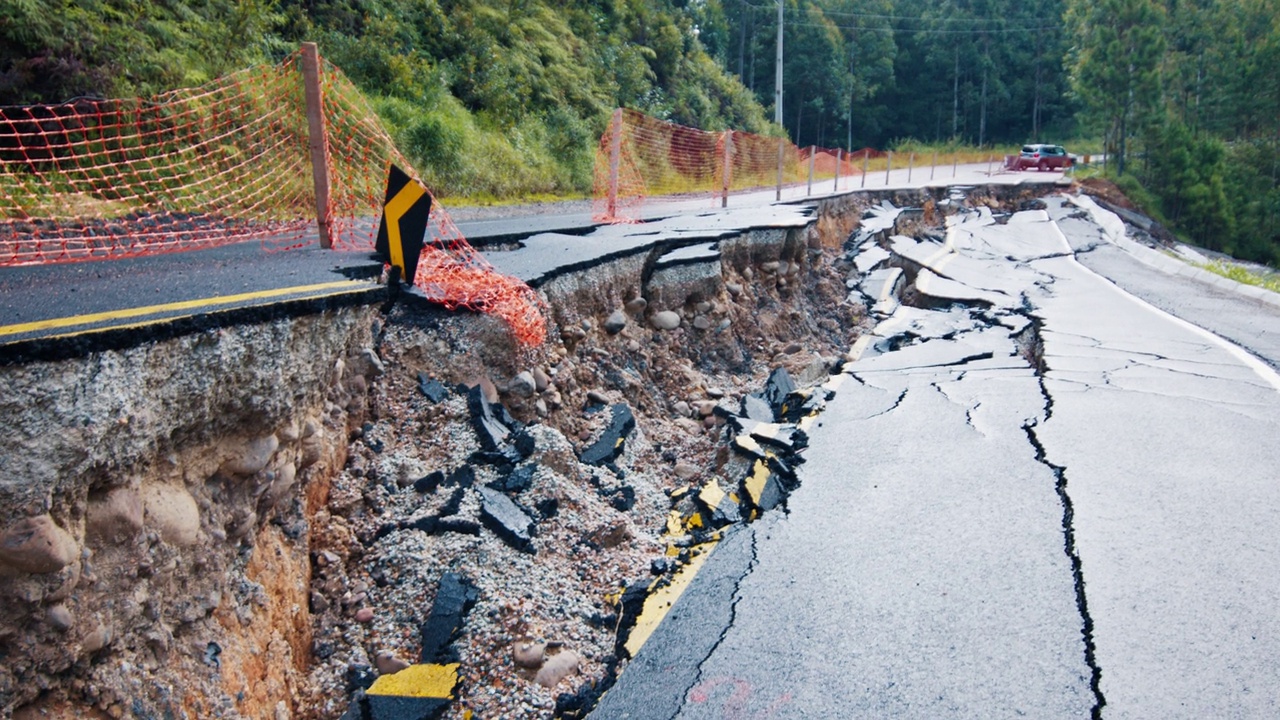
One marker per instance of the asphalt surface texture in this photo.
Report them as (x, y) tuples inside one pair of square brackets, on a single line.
[(1039, 496), (65, 310)]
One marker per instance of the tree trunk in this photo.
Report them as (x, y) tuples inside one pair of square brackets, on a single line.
[(853, 88), (799, 116), (982, 112), (955, 97), (1035, 101)]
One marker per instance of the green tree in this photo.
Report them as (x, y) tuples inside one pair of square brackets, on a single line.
[(1115, 65)]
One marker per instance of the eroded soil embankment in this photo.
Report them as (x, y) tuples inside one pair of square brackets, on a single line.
[(256, 521)]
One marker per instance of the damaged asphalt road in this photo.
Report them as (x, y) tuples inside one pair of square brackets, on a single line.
[(1033, 495)]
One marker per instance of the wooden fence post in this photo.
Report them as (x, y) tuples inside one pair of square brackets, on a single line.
[(866, 159), (839, 155), (615, 158), (933, 166), (888, 166), (911, 166), (318, 140)]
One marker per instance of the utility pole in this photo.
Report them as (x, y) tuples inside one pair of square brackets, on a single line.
[(777, 98)]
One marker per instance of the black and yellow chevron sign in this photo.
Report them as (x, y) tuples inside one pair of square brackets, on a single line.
[(403, 227)]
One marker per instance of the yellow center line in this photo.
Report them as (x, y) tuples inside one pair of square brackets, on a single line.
[(659, 602), (65, 322)]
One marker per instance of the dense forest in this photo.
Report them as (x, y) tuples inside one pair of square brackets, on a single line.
[(1185, 94)]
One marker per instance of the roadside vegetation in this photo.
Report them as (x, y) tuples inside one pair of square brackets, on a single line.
[(1244, 275), (502, 99)]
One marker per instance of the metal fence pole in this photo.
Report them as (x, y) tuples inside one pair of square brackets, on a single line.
[(866, 158), (839, 155), (781, 145), (318, 140), (615, 158), (812, 149), (989, 159), (955, 160), (728, 167), (933, 166), (911, 165), (888, 166)]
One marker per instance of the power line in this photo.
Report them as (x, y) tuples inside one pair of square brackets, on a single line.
[(923, 31), (999, 25)]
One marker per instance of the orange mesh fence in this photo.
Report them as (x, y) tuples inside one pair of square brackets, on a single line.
[(641, 157), (197, 167), (450, 271), (222, 163)]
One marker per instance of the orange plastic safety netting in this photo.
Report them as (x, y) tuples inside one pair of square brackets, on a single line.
[(450, 271), (641, 157), (222, 163), (93, 179)]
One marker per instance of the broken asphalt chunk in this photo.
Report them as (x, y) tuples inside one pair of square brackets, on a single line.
[(721, 507), (786, 437), (506, 520), (429, 483), (437, 525), (433, 389), (488, 420), (630, 606), (454, 598), (359, 677), (763, 487), (776, 390), (755, 407), (611, 441), (402, 707), (516, 481), (463, 477), (622, 499)]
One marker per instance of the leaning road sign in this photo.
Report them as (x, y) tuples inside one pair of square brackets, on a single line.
[(404, 223)]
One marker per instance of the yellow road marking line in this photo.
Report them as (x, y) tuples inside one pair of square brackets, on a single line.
[(659, 602), (423, 681), (755, 482), (712, 495), (66, 322)]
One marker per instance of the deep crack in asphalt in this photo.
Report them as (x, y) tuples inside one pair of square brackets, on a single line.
[(733, 615)]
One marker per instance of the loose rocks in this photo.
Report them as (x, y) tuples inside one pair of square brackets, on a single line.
[(523, 385), (115, 517), (252, 457), (615, 322), (665, 320), (173, 513), (528, 654), (37, 545), (557, 668)]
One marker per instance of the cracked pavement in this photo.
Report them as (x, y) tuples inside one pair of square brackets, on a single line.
[(1036, 495)]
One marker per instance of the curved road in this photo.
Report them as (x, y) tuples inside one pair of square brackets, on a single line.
[(990, 526)]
